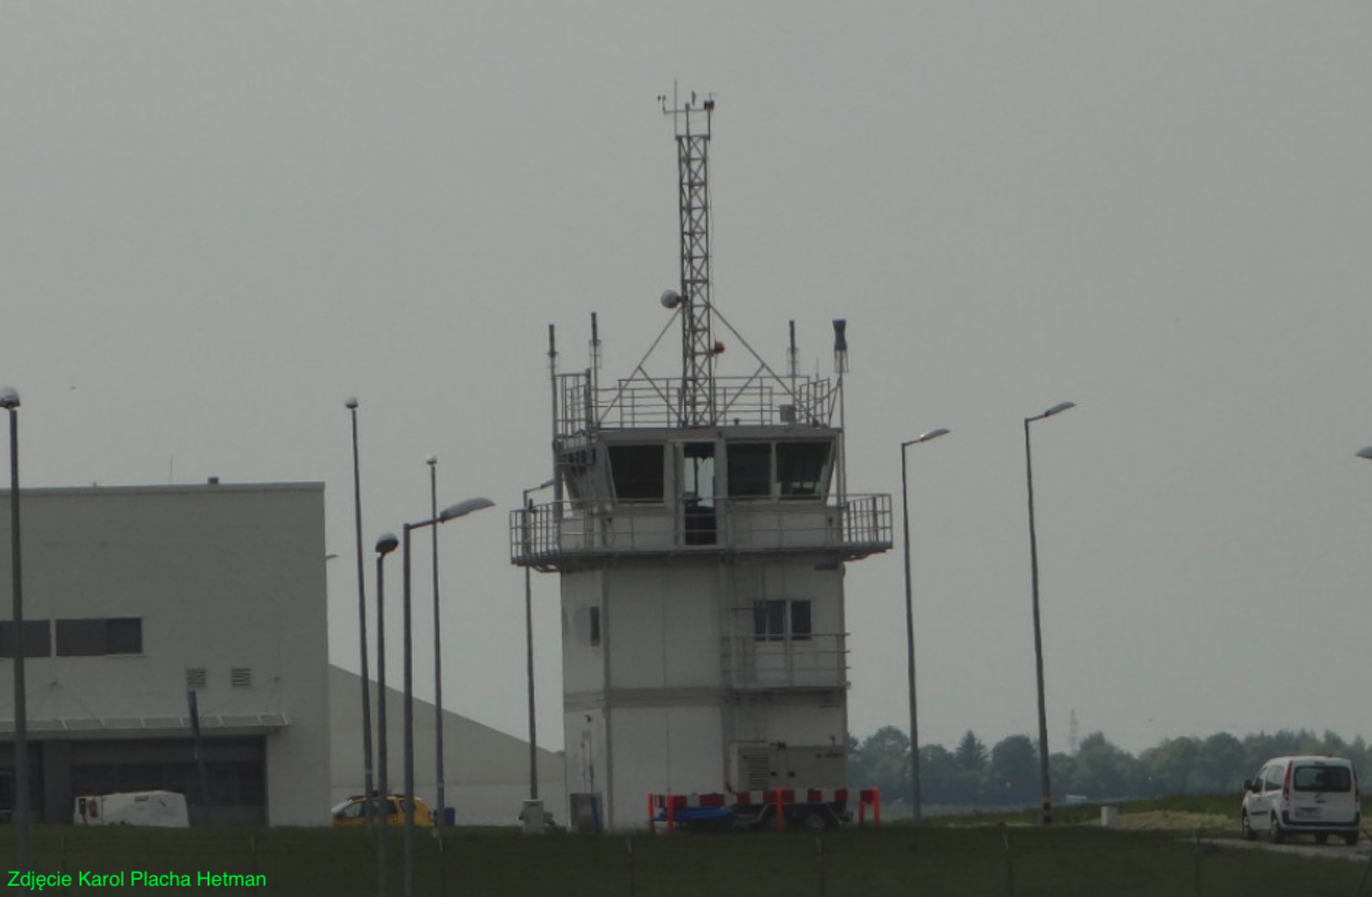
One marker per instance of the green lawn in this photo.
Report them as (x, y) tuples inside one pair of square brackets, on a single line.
[(974, 860)]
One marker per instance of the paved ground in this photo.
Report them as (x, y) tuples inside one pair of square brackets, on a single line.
[(1362, 853)]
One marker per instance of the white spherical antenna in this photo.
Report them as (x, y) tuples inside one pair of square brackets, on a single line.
[(670, 298)]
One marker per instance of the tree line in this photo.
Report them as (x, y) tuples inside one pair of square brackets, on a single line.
[(1007, 774)]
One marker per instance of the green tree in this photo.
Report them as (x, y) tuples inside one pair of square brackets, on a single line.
[(1012, 775), (1103, 770), (970, 752)]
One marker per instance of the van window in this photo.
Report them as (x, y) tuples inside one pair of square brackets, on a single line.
[(1272, 778), (1322, 778)]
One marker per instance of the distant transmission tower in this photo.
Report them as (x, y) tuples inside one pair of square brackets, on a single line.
[(697, 406)]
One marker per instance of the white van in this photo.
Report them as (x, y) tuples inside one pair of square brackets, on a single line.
[(1316, 796)]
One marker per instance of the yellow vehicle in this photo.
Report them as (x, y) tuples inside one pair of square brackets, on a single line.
[(353, 811)]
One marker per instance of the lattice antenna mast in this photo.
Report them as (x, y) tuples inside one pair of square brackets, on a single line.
[(697, 401)]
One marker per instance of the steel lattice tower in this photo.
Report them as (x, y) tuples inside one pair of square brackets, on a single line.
[(698, 349)]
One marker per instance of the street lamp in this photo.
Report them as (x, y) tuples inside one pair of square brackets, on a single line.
[(461, 509), (439, 819), (529, 635), (384, 546), (1365, 453), (910, 623), (1038, 632), (362, 628), (23, 848)]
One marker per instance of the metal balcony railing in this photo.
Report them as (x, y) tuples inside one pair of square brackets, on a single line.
[(551, 534), (814, 661)]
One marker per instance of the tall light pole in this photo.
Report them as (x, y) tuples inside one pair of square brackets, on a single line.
[(442, 812), (368, 806), (452, 512), (529, 636), (910, 622), (1047, 817), (384, 546), (23, 847)]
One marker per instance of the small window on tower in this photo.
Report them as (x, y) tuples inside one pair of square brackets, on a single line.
[(769, 621), (595, 626), (750, 469), (802, 468), (637, 472)]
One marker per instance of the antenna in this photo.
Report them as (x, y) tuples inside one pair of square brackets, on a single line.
[(698, 347)]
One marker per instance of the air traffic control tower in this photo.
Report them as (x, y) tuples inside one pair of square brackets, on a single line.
[(700, 524)]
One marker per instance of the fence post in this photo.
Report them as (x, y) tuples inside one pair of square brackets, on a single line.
[(1197, 863), (442, 863), (1009, 861), (819, 849)]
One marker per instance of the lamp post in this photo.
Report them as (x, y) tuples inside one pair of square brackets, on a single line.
[(384, 546), (529, 636), (910, 622), (23, 848), (441, 813), (1047, 818), (461, 509), (368, 806)]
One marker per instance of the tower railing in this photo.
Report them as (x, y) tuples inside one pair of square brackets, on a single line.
[(655, 402), (550, 535), (818, 660)]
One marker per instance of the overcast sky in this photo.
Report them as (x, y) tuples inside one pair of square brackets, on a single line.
[(220, 220)]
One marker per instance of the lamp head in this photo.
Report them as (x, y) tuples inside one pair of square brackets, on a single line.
[(1365, 453), (431, 460), (9, 398), (463, 508), (386, 544), (351, 402)]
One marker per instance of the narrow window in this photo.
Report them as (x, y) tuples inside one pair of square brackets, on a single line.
[(595, 627), (800, 621)]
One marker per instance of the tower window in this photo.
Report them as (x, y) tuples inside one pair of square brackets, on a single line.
[(750, 469), (637, 472), (595, 626), (777, 621)]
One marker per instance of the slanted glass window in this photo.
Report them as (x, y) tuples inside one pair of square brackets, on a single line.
[(637, 472), (802, 468), (37, 639), (750, 469)]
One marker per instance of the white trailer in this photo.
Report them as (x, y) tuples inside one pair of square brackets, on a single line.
[(161, 809)]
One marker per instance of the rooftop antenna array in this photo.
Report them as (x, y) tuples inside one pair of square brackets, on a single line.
[(697, 401)]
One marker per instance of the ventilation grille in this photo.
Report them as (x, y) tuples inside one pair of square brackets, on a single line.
[(196, 677), (240, 677)]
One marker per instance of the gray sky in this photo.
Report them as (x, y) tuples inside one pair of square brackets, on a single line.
[(219, 220)]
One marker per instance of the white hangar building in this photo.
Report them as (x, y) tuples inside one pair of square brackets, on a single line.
[(135, 596)]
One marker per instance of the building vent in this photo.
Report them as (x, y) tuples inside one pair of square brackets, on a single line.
[(196, 677), (240, 677)]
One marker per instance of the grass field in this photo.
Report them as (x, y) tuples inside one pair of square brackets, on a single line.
[(972, 856)]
